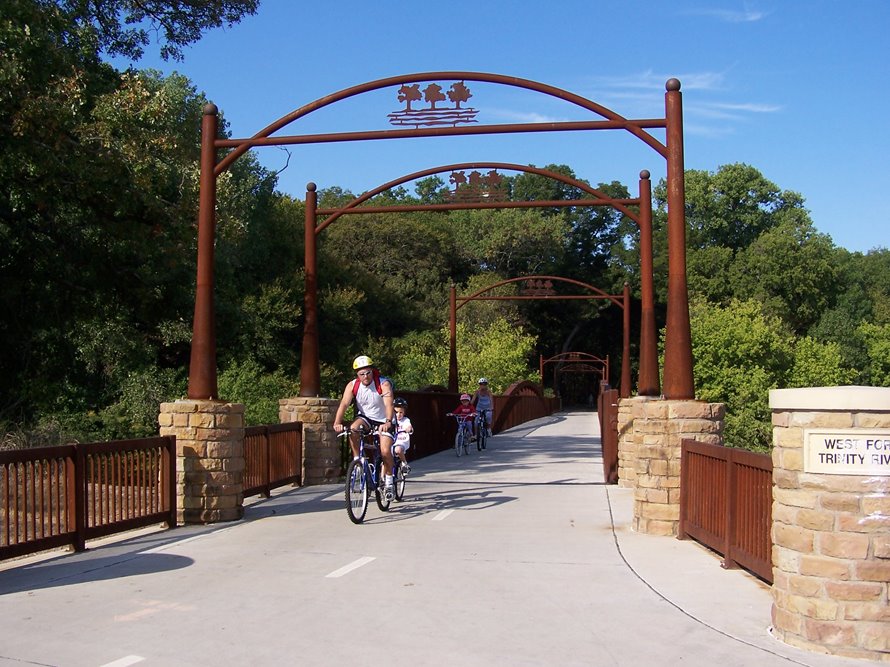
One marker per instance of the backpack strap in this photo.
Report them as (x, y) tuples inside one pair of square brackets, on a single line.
[(377, 377)]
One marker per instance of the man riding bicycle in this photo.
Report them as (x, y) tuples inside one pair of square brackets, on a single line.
[(373, 396)]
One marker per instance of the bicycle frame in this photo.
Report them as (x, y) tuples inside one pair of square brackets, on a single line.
[(465, 427), (364, 474)]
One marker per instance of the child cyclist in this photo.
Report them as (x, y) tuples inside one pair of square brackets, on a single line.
[(466, 410), (404, 429)]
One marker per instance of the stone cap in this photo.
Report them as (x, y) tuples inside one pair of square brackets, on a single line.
[(831, 398)]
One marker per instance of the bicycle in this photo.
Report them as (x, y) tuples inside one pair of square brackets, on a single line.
[(481, 430), (366, 473), (464, 434)]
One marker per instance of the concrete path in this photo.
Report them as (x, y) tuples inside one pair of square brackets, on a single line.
[(518, 555)]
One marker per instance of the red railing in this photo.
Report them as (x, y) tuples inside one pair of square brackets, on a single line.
[(57, 496), (726, 504), (434, 432), (607, 413), (273, 457)]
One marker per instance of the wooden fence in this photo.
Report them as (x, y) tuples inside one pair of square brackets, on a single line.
[(726, 504), (60, 496), (273, 457)]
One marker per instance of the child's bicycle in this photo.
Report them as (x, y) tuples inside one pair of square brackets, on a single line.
[(366, 473), (464, 435)]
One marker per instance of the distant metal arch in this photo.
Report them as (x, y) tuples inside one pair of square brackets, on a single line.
[(624, 304), (310, 367)]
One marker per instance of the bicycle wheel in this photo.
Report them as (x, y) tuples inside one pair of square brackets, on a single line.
[(481, 436), (399, 481), (382, 502), (459, 441), (467, 439), (356, 492)]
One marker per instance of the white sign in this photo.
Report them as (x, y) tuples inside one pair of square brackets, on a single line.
[(855, 451)]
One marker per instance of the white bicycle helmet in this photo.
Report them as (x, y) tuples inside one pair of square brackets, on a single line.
[(483, 381), (362, 361)]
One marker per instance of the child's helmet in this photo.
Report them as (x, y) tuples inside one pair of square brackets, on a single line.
[(400, 403), (362, 361), (465, 397)]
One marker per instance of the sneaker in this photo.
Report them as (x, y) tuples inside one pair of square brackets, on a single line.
[(405, 468), (490, 433), (387, 492)]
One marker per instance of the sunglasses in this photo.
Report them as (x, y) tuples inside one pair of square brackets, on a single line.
[(364, 374)]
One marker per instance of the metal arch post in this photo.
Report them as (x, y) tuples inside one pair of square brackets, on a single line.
[(648, 383), (452, 339), (678, 378), (310, 366), (625, 348), (202, 364)]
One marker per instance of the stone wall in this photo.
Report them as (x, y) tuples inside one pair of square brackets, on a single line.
[(659, 427), (831, 532), (321, 447)]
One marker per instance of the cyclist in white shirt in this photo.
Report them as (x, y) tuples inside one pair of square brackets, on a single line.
[(373, 398)]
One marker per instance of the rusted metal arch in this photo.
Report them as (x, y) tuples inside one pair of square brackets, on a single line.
[(580, 368), (310, 372), (679, 382), (576, 357), (461, 301), (601, 199), (577, 362), (613, 120), (623, 303)]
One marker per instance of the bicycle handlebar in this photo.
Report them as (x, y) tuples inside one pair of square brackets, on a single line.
[(347, 430)]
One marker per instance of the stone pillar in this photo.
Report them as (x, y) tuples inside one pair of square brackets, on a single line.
[(831, 520), (659, 428), (321, 446), (628, 411), (209, 458)]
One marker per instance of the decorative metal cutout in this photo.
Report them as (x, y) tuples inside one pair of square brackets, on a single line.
[(538, 288), (478, 187), (458, 94)]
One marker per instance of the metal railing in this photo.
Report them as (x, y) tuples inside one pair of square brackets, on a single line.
[(434, 432), (726, 504), (58, 496), (273, 457)]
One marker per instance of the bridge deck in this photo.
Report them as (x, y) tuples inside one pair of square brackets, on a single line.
[(518, 555)]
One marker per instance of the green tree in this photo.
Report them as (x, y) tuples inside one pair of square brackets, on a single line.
[(791, 269), (740, 355), (498, 351), (733, 206), (876, 338), (124, 27)]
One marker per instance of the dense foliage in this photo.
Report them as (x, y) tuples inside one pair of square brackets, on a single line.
[(97, 258)]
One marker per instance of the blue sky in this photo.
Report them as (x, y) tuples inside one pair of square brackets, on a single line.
[(799, 89)]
